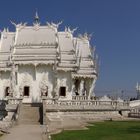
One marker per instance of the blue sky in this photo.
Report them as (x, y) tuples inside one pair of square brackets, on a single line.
[(115, 25)]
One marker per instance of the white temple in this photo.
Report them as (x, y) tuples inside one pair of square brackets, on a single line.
[(40, 60)]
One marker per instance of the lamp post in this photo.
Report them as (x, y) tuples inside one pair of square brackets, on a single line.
[(138, 91)]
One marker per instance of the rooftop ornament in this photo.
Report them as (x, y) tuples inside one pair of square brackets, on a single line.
[(71, 31), (36, 18), (85, 36), (53, 25)]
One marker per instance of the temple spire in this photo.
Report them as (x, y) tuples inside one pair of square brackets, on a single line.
[(36, 18)]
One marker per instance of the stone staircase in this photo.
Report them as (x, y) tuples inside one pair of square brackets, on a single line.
[(30, 114)]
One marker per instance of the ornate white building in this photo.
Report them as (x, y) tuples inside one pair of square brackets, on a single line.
[(39, 60)]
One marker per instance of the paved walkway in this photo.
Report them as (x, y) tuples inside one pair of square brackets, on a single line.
[(24, 132)]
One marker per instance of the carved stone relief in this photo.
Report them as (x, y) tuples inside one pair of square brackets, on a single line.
[(45, 87), (26, 81)]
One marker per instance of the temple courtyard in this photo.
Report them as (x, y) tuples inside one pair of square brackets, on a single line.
[(24, 132), (108, 130), (104, 130)]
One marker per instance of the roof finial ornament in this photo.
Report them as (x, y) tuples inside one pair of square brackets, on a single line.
[(36, 18), (87, 36)]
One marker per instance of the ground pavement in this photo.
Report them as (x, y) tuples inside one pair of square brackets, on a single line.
[(24, 132)]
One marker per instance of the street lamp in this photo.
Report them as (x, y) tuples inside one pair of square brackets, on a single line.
[(138, 91)]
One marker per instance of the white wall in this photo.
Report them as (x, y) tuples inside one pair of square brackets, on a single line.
[(65, 79), (4, 82), (29, 75), (45, 75), (135, 103)]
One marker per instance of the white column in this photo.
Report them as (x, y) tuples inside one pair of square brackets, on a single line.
[(13, 80), (73, 88), (81, 87), (49, 91), (92, 86), (56, 86)]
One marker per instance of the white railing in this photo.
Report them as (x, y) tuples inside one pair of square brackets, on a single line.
[(14, 100), (79, 98), (86, 104), (135, 103)]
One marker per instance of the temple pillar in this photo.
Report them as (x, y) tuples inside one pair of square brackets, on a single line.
[(91, 88), (35, 65), (13, 80), (73, 88), (49, 94), (56, 92), (82, 87)]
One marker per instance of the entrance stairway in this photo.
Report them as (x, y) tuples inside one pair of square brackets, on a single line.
[(30, 114)]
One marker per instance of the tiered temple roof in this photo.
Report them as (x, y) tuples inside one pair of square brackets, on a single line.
[(39, 44)]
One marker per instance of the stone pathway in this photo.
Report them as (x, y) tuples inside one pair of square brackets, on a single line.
[(24, 132)]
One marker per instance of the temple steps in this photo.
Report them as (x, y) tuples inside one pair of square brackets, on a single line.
[(30, 114)]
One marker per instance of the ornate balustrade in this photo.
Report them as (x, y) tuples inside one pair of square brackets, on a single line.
[(14, 100), (135, 112), (74, 105), (13, 104), (134, 115), (79, 98)]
